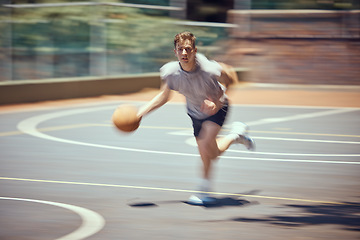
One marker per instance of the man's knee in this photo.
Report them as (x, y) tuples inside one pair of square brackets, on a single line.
[(208, 149)]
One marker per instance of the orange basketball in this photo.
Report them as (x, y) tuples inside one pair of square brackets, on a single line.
[(125, 118)]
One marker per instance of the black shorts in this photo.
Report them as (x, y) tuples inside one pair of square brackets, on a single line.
[(218, 118)]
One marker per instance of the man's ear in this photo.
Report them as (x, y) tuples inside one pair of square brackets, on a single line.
[(195, 49)]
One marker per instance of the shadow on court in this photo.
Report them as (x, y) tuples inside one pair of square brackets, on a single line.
[(345, 215), (218, 203)]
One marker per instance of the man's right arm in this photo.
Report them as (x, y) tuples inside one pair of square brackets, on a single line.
[(158, 101)]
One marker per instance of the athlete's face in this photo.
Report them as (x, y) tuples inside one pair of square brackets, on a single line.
[(185, 53)]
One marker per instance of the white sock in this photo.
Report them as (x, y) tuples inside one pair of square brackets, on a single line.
[(205, 185), (233, 136)]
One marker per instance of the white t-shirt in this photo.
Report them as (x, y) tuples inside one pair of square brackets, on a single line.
[(196, 86)]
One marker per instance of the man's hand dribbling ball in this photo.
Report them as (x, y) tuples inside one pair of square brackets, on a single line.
[(125, 118)]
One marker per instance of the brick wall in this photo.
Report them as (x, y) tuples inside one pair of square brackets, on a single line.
[(300, 47), (295, 23)]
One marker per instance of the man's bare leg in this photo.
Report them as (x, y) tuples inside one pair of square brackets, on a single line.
[(210, 148)]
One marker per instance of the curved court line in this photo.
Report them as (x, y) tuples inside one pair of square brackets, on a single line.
[(171, 190), (92, 222), (192, 142), (29, 126)]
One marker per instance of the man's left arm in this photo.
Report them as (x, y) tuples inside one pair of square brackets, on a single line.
[(228, 75)]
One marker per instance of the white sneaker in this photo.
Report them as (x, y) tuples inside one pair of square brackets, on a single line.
[(241, 130), (248, 142), (201, 199), (203, 196)]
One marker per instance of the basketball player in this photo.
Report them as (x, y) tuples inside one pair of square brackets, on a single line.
[(197, 78)]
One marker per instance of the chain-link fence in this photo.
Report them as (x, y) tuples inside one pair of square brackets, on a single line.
[(49, 40)]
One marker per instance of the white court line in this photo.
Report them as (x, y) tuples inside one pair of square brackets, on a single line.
[(92, 222), (298, 117), (165, 189), (296, 154), (306, 140), (191, 141), (29, 126)]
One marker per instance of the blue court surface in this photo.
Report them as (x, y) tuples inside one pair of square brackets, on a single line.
[(67, 173)]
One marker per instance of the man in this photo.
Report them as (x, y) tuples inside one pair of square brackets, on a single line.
[(197, 78)]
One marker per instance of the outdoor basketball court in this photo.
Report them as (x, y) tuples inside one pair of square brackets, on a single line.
[(66, 173)]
